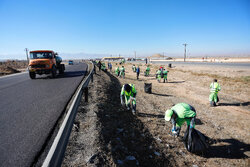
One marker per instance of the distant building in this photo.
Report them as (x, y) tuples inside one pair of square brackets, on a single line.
[(112, 58)]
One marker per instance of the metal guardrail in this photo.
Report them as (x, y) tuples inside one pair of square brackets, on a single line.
[(57, 150)]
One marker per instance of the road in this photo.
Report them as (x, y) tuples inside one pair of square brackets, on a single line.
[(230, 65), (29, 110), (215, 64)]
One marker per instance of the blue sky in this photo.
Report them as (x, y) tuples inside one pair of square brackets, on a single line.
[(209, 27)]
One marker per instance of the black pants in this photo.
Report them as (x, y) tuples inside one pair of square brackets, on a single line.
[(137, 75)]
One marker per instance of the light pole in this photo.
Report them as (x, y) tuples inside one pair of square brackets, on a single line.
[(26, 50), (135, 55), (185, 51)]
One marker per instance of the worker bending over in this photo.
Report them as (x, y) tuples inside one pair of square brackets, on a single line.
[(129, 93), (147, 71), (178, 114), (122, 72)]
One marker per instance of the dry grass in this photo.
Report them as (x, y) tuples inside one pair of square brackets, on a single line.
[(12, 66)]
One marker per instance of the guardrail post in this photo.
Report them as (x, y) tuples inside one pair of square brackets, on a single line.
[(86, 92), (92, 77)]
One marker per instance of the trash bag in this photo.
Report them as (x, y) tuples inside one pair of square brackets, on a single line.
[(148, 87), (195, 141)]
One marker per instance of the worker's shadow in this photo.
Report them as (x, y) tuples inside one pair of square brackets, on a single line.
[(232, 149), (150, 115), (234, 104), (159, 94), (176, 82)]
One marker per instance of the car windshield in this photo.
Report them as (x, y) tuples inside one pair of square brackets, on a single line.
[(40, 55)]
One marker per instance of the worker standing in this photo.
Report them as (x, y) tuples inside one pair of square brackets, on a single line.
[(117, 71), (128, 91), (214, 89), (134, 68), (158, 75), (122, 72), (110, 67), (178, 114), (165, 75), (137, 72), (99, 64)]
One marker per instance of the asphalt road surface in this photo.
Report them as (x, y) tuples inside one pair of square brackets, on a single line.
[(215, 64), (29, 110)]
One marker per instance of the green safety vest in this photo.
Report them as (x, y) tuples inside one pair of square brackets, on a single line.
[(214, 87), (122, 69), (183, 110), (131, 93)]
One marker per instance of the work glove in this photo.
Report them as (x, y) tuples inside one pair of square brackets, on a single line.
[(175, 131), (132, 98), (128, 108)]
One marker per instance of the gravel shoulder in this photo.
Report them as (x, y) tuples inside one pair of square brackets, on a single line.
[(105, 134)]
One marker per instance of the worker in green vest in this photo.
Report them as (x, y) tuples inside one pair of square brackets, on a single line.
[(103, 67), (158, 75), (165, 75), (214, 89), (134, 68), (178, 114), (117, 71), (147, 71), (122, 72), (128, 92)]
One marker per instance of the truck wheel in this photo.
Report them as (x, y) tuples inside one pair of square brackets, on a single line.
[(32, 75), (61, 69), (53, 72)]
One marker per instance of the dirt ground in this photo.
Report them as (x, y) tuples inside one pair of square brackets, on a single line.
[(105, 134), (12, 66)]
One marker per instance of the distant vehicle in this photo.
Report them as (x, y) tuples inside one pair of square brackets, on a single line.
[(45, 62), (71, 62)]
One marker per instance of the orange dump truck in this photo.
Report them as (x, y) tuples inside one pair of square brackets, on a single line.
[(45, 62)]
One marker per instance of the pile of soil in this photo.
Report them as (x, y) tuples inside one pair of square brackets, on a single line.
[(106, 134), (10, 67)]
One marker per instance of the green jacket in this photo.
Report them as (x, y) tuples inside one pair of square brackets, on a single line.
[(184, 113), (122, 69), (214, 87), (131, 93)]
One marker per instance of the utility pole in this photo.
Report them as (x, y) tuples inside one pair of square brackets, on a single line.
[(26, 49), (135, 55), (185, 51)]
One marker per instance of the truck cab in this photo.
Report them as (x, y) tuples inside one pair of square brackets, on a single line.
[(45, 62)]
